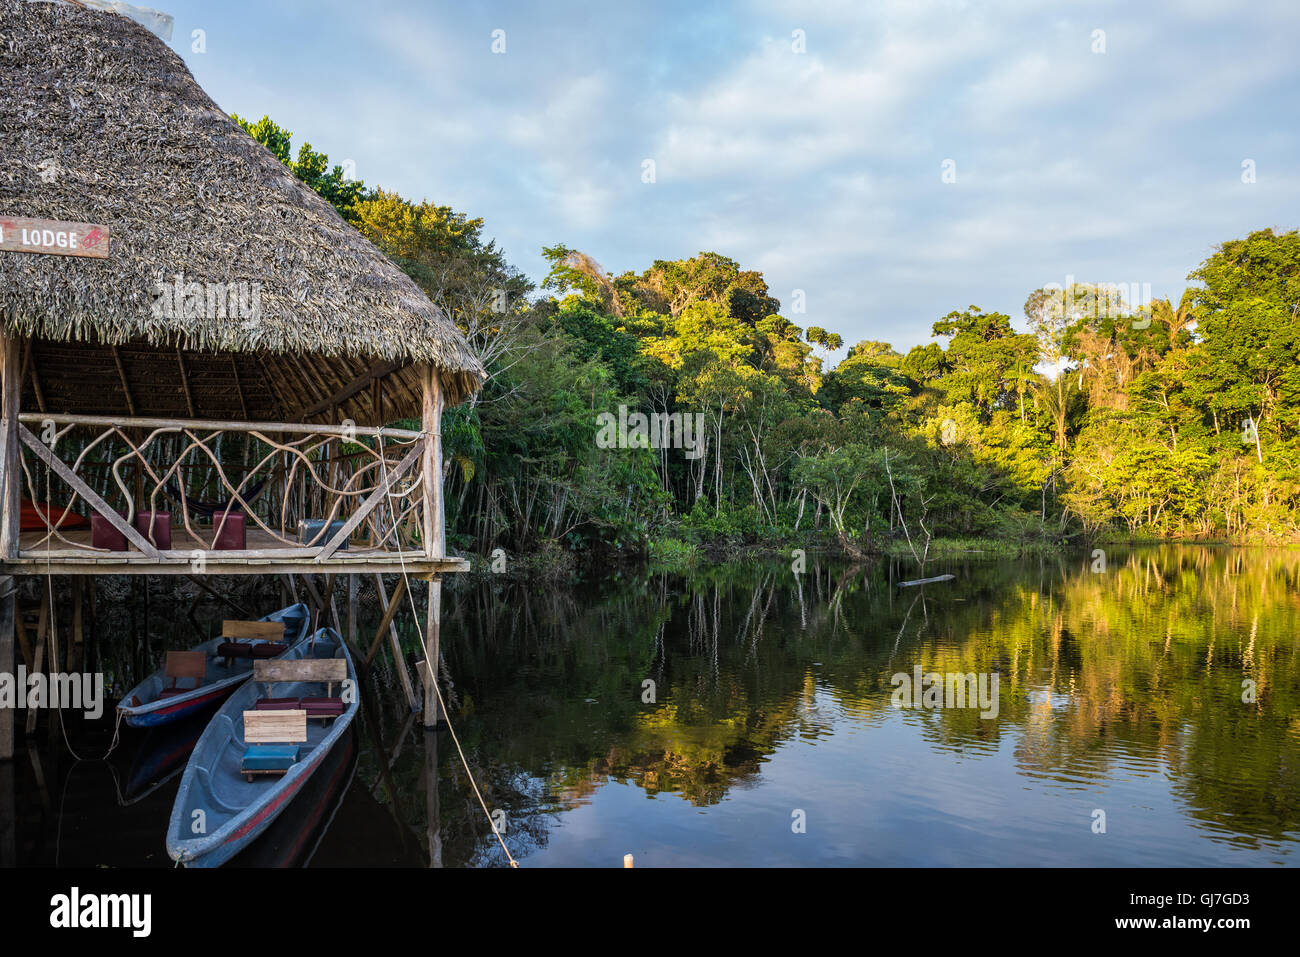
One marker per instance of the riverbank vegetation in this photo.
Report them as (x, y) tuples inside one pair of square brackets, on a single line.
[(1092, 417)]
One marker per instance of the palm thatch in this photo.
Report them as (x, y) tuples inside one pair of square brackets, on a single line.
[(100, 122)]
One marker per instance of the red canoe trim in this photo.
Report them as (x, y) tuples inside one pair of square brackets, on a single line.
[(191, 702), (263, 814)]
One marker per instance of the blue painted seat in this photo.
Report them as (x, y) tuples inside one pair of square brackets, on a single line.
[(270, 757)]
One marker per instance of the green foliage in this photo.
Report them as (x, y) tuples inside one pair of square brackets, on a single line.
[(1090, 416), (311, 167)]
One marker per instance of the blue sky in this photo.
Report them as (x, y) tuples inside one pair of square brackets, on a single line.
[(823, 169)]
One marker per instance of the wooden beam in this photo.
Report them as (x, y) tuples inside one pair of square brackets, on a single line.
[(126, 386), (218, 563), (90, 495), (412, 699), (185, 382), (218, 425), (372, 500)]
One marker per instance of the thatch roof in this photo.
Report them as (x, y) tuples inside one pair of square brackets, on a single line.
[(100, 122)]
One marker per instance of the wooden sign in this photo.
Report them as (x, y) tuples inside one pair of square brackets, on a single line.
[(53, 238)]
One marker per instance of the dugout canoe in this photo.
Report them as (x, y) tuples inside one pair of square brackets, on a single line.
[(152, 703), (218, 811)]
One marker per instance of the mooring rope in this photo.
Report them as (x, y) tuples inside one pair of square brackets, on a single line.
[(51, 637), (433, 666)]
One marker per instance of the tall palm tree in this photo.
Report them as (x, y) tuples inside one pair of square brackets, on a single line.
[(1176, 319)]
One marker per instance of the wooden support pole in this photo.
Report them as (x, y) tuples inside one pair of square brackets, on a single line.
[(352, 610), (77, 649), (10, 522), (433, 811), (8, 610), (10, 473), (38, 665), (434, 531)]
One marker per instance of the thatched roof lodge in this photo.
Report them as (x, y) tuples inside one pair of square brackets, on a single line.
[(231, 293), (102, 123), (200, 361)]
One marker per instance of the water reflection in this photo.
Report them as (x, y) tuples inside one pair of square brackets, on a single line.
[(1120, 691), (692, 720)]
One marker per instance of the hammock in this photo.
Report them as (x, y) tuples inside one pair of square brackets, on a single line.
[(208, 509)]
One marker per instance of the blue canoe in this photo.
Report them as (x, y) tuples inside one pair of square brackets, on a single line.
[(234, 809), (152, 703)]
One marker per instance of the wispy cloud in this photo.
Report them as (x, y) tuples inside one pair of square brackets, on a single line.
[(824, 168)]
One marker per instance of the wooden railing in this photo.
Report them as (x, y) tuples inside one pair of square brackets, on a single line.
[(277, 474)]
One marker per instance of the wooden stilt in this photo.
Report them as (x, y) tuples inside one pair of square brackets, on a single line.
[(10, 526), (20, 629), (8, 600), (432, 652), (353, 624), (38, 663), (433, 812), (77, 651), (433, 531)]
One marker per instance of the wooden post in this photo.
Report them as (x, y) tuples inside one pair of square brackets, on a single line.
[(352, 610), (434, 531), (433, 812), (8, 600), (10, 518)]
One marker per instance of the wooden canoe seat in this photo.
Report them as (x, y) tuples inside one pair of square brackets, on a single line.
[(325, 670), (183, 664), (322, 707), (272, 738), (251, 639)]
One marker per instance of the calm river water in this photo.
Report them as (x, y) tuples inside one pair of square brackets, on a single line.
[(742, 715)]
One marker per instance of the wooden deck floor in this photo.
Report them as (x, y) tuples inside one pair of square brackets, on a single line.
[(191, 556)]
